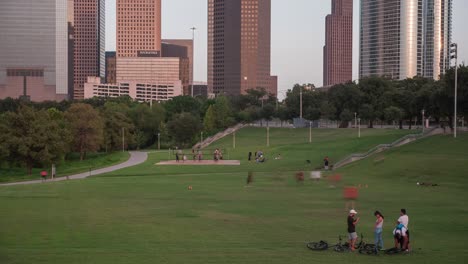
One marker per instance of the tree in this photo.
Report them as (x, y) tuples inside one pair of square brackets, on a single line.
[(345, 117), (184, 128), (147, 122), (182, 104), (32, 137), (209, 122), (327, 111), (222, 112), (393, 114), (86, 128), (115, 120)]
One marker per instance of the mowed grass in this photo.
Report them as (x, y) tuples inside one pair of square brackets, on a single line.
[(146, 214), (69, 167)]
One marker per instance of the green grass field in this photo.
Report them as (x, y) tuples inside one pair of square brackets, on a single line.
[(145, 214), (70, 167)]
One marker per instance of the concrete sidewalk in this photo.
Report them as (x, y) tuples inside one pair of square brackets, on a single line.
[(135, 159)]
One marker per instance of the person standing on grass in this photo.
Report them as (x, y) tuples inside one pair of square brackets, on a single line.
[(250, 156), (378, 231), (404, 220), (326, 162), (352, 235)]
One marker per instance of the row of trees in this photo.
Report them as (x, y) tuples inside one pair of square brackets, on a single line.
[(41, 133)]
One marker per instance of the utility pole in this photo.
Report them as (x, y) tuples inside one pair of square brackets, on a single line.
[(123, 139), (454, 55), (310, 131), (159, 141), (300, 99), (193, 57), (359, 128)]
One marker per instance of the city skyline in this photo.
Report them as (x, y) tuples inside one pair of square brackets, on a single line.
[(305, 27)]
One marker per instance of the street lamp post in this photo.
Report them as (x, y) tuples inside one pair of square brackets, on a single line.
[(193, 57), (123, 139), (355, 119), (159, 141), (422, 121), (359, 128), (310, 131), (454, 55), (300, 99)]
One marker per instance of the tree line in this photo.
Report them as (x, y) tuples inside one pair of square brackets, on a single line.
[(38, 134)]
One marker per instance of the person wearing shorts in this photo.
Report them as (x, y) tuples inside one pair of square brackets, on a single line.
[(404, 220), (352, 235)]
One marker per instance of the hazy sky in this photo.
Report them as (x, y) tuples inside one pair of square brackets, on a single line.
[(298, 35)]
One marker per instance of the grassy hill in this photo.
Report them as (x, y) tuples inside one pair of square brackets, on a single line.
[(146, 214)]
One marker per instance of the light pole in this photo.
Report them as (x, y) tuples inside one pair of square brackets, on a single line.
[(300, 99), (355, 119), (454, 55), (310, 131), (193, 57), (159, 141), (123, 139), (234, 140), (422, 121), (359, 128)]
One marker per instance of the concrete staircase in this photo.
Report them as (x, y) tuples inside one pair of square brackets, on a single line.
[(383, 147), (219, 136)]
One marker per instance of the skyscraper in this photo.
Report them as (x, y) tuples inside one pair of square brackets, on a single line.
[(404, 38), (138, 28), (239, 46), (437, 37), (338, 49), (89, 46), (35, 49)]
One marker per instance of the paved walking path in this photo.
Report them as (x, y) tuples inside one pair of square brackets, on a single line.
[(135, 159)]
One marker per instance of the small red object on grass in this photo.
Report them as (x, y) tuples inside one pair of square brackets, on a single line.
[(44, 173), (350, 193)]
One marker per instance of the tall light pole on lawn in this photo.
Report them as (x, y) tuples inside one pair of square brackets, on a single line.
[(359, 128), (454, 55), (123, 139), (159, 141), (422, 121), (193, 57), (310, 131), (355, 120), (300, 104)]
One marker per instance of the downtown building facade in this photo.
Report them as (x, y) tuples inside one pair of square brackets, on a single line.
[(402, 39), (49, 47), (139, 63), (239, 46), (36, 59), (338, 49)]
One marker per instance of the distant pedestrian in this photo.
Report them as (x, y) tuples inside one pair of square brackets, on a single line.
[(44, 175), (250, 156), (326, 162), (177, 157), (378, 230)]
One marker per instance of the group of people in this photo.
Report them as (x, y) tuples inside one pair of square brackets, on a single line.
[(217, 155), (401, 233), (259, 157)]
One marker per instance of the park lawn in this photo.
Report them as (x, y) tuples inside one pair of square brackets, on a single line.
[(147, 216), (69, 167), (292, 144)]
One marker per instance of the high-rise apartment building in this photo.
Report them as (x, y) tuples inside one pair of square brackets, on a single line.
[(437, 31), (35, 41), (338, 49), (239, 37), (182, 49), (404, 38), (89, 46), (111, 67), (138, 28)]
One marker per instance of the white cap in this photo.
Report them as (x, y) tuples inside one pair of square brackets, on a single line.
[(352, 211)]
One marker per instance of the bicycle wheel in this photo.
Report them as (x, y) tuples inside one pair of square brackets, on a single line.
[(322, 245), (393, 251), (340, 248)]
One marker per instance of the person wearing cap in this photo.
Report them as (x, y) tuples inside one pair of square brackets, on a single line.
[(352, 235)]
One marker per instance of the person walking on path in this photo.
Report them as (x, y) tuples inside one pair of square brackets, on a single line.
[(404, 220), (378, 231), (352, 235)]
